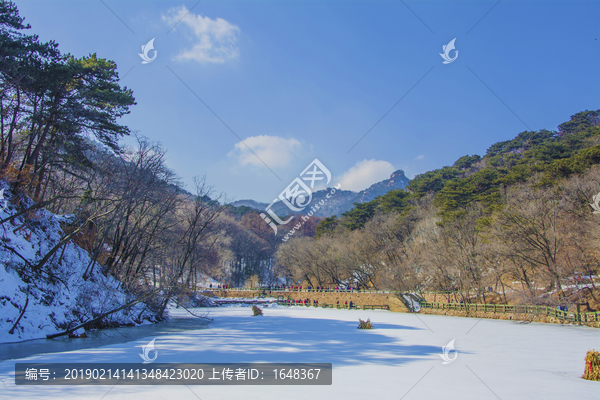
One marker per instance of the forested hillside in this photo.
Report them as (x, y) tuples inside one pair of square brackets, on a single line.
[(98, 233), (134, 235), (514, 223)]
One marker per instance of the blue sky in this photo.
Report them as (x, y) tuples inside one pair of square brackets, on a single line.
[(298, 80)]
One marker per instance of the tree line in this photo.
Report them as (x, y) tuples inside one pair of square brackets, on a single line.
[(60, 150), (514, 225), (517, 219)]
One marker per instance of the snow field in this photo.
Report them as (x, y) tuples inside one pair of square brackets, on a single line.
[(399, 358)]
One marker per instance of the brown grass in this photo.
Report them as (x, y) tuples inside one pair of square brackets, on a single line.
[(257, 311), (364, 324), (592, 366)]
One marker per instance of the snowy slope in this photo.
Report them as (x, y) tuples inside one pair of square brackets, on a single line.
[(57, 295)]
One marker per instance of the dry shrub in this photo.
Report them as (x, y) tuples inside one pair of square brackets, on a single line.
[(256, 310), (19, 179), (86, 237), (592, 366), (364, 324)]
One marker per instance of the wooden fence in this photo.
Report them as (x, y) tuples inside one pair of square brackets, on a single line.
[(304, 290), (568, 316), (338, 306)]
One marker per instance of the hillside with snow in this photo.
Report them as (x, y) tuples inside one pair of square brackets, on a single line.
[(54, 297)]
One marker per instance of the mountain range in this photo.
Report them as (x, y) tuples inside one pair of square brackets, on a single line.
[(340, 202)]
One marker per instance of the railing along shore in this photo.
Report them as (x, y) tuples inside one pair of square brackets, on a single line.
[(562, 315)]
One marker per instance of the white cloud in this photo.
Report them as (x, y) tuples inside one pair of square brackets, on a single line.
[(215, 39), (274, 151), (420, 157), (365, 173)]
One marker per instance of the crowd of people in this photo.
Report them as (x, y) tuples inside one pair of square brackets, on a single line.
[(314, 303), (301, 288), (219, 286)]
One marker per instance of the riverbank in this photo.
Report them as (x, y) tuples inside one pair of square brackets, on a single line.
[(181, 322), (68, 290)]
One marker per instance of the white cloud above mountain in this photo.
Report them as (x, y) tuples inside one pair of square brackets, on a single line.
[(365, 173), (274, 151), (215, 40)]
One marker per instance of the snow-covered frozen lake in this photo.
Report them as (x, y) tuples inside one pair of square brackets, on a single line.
[(399, 359)]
